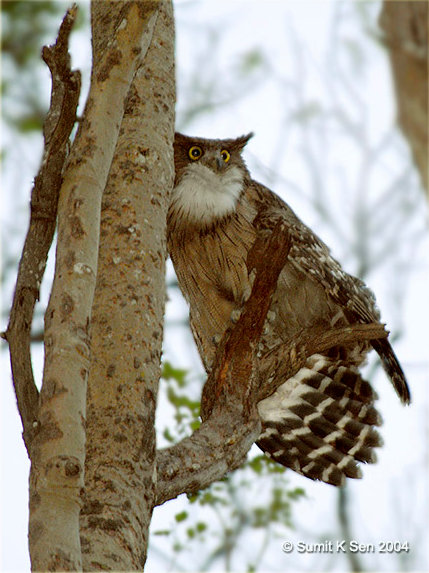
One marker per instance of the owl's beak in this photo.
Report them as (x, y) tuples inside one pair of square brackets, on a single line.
[(220, 164), (214, 161)]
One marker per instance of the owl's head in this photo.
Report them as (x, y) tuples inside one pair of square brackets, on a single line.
[(210, 176)]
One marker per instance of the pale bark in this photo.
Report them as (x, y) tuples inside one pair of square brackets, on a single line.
[(127, 318), (405, 25), (56, 476)]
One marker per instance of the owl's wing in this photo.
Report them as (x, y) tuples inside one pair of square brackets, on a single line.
[(311, 256)]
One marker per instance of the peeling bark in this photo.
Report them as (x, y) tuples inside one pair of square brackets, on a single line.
[(127, 318), (405, 25)]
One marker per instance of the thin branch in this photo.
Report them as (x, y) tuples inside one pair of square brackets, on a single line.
[(59, 123), (345, 527)]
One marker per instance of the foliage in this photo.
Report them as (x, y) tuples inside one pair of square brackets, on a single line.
[(230, 508), (186, 410)]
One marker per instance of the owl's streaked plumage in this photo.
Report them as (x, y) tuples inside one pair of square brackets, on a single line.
[(321, 421)]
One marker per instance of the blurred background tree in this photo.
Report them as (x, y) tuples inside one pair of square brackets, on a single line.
[(312, 81), (406, 37)]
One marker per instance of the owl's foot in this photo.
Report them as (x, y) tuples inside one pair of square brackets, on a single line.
[(235, 315), (216, 339), (248, 288)]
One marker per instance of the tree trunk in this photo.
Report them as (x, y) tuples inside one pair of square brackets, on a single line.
[(127, 317), (405, 25), (58, 452)]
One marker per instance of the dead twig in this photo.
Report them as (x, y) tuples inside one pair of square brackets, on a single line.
[(58, 125)]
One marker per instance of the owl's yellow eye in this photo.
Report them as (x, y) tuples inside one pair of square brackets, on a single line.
[(195, 152), (226, 156)]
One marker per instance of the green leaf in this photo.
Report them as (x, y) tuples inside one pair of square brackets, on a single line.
[(162, 532), (29, 123), (181, 400), (181, 516), (168, 436), (296, 493), (201, 526), (251, 61), (190, 532), (171, 373), (192, 497)]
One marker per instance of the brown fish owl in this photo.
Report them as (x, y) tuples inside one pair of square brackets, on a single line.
[(321, 421)]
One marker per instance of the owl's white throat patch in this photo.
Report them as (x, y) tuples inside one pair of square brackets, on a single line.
[(204, 196)]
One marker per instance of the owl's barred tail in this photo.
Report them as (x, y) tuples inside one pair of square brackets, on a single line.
[(393, 368), (321, 421)]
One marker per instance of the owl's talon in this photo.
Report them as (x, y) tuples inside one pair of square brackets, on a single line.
[(216, 339), (247, 290), (271, 316), (246, 294), (235, 315), (252, 277), (267, 329)]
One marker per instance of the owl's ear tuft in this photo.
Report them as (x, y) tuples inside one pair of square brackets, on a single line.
[(242, 141)]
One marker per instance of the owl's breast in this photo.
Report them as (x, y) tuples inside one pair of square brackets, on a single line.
[(211, 269)]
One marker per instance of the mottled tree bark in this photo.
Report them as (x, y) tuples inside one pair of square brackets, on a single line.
[(127, 317), (58, 450), (405, 25)]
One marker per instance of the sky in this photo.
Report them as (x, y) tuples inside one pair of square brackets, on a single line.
[(314, 62)]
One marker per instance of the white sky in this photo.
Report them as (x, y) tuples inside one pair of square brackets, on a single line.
[(391, 501)]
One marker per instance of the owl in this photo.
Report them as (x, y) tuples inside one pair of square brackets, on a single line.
[(321, 421)]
